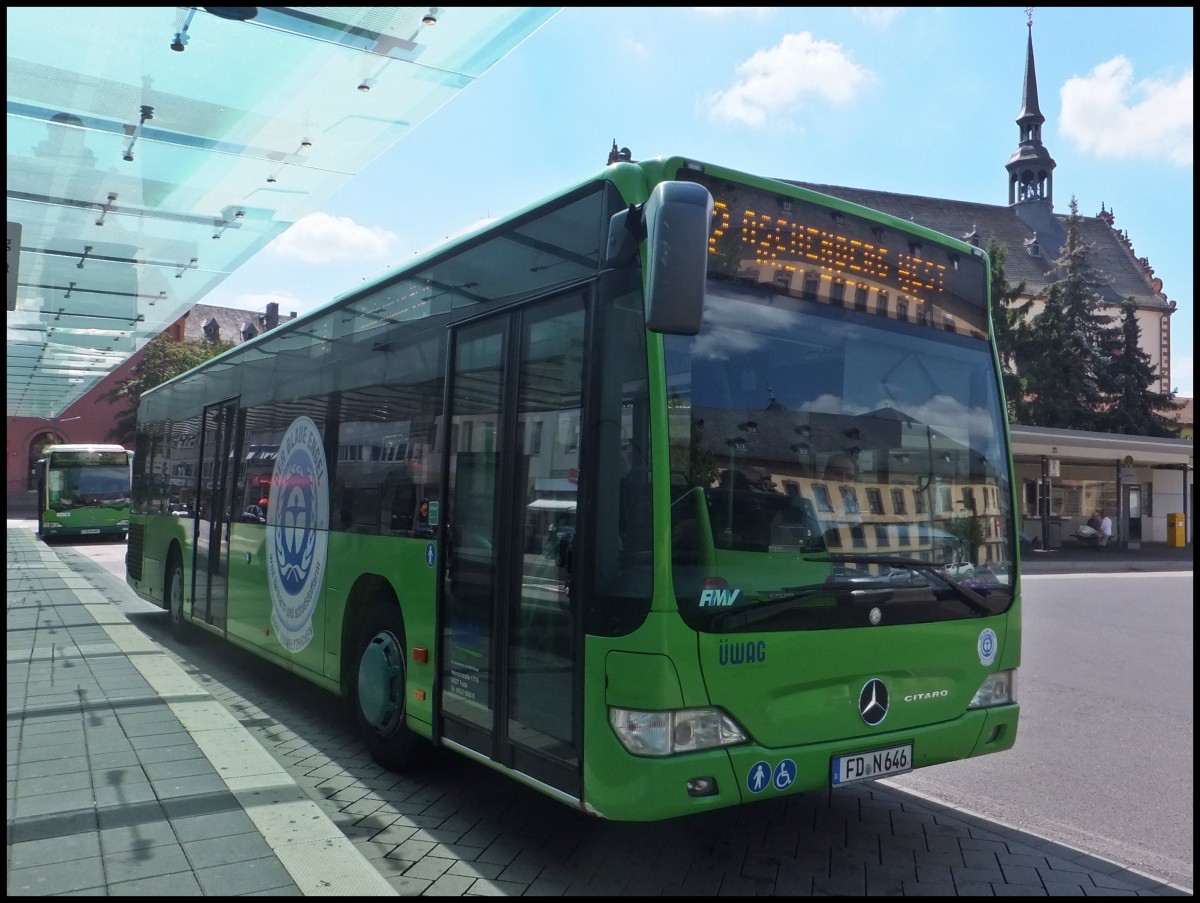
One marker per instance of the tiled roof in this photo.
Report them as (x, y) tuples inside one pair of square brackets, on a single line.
[(1110, 254), (230, 321)]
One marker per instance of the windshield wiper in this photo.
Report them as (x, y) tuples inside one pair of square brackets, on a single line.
[(972, 599), (756, 611)]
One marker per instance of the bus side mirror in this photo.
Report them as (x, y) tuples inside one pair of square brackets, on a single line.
[(678, 218), (675, 222)]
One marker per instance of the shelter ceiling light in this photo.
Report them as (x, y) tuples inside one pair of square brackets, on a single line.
[(181, 36)]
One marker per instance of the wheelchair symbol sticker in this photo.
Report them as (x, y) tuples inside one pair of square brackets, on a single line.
[(761, 776), (785, 775)]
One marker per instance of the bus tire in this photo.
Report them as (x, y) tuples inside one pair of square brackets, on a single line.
[(380, 681), (173, 589)]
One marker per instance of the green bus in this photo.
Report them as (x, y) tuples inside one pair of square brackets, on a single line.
[(681, 489), (83, 490)]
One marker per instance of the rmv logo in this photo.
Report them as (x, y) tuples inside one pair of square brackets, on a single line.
[(712, 598)]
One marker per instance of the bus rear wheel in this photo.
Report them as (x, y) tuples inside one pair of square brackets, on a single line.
[(174, 593), (380, 682)]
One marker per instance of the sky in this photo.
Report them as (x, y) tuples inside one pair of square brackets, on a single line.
[(914, 100)]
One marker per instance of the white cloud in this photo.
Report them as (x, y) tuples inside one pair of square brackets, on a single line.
[(876, 16), (1110, 115), (324, 238), (773, 82)]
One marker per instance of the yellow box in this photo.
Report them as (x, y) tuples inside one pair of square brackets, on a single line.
[(1176, 530)]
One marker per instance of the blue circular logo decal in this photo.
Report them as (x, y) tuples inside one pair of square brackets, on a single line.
[(297, 537), (986, 647)]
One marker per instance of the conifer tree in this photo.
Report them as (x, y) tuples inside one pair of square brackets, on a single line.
[(1010, 327), (1067, 361), (1137, 409)]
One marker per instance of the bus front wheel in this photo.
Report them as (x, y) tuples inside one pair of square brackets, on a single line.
[(174, 588), (380, 680)]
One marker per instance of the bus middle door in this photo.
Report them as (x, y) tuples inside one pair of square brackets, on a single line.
[(210, 570), (511, 650)]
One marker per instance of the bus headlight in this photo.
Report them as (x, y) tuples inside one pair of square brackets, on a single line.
[(671, 733), (997, 689)]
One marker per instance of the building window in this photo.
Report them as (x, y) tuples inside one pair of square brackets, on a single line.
[(881, 304), (898, 502), (860, 298), (809, 292), (901, 309), (837, 294), (875, 501), (833, 538), (858, 536), (881, 536), (903, 536), (849, 500), (821, 494), (918, 501)]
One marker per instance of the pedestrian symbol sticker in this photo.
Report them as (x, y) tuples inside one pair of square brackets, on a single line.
[(430, 555), (762, 775), (759, 778)]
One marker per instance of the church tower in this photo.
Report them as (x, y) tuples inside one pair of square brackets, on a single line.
[(1031, 168)]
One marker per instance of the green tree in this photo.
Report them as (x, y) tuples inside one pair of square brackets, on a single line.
[(162, 359), (1138, 410), (1067, 357), (1009, 325), (968, 530)]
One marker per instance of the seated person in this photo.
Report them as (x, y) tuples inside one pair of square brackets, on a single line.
[(1094, 521), (1105, 529)]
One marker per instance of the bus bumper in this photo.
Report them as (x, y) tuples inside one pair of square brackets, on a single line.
[(630, 788)]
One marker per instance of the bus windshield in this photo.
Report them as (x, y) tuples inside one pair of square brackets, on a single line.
[(822, 455), (85, 479)]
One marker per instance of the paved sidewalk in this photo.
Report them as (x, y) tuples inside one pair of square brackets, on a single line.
[(125, 777), (1075, 558)]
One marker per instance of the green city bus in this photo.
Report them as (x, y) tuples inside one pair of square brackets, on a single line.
[(681, 489), (83, 490)]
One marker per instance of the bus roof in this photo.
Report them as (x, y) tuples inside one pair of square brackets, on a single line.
[(634, 178), (83, 446)]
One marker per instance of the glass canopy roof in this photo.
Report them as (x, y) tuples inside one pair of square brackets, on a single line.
[(152, 151)]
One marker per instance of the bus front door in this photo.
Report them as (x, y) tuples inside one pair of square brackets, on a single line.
[(210, 568), (511, 647)]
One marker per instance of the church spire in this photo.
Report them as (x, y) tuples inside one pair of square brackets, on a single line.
[(1030, 168)]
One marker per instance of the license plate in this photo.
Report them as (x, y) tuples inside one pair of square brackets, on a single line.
[(86, 532), (875, 764)]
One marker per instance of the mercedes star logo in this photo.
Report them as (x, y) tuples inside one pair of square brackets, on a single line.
[(873, 701)]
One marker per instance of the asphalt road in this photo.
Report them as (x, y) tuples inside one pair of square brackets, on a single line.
[(1103, 759)]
